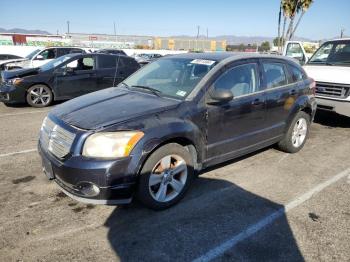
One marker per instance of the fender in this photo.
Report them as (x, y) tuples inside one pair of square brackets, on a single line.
[(302, 103)]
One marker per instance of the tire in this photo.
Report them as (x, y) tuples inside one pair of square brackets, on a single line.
[(297, 134), (174, 181), (39, 96)]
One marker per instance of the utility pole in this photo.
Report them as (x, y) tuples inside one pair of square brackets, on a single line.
[(68, 28), (342, 33)]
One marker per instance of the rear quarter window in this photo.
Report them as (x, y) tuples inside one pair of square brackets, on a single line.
[(296, 74)]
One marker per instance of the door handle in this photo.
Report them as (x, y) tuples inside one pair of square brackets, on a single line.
[(257, 102), (293, 92)]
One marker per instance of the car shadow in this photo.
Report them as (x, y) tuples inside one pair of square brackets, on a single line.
[(331, 119), (212, 212)]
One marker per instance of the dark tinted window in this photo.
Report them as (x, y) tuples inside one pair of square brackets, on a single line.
[(108, 61), (274, 74), (297, 74), (130, 63), (62, 51), (241, 80)]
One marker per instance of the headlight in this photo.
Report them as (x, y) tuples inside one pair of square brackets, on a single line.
[(14, 81), (111, 144)]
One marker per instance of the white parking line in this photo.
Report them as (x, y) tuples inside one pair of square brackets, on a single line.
[(253, 229), (24, 113), (18, 152)]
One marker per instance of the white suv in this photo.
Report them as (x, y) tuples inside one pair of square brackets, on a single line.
[(40, 57), (330, 67)]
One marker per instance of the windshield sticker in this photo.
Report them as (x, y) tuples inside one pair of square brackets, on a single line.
[(202, 62), (181, 93)]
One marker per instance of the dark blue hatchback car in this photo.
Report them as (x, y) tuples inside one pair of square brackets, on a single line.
[(151, 134)]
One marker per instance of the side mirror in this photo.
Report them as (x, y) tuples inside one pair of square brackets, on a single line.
[(39, 57), (220, 95)]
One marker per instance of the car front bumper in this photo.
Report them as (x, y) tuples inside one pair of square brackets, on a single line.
[(91, 181), (341, 107), (12, 94)]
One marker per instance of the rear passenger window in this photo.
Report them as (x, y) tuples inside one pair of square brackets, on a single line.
[(297, 74), (107, 61), (274, 74), (241, 80)]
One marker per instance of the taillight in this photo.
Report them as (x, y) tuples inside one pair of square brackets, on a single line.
[(313, 86)]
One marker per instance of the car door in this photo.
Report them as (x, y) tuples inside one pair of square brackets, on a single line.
[(281, 94), (236, 126), (77, 77), (44, 56), (296, 50)]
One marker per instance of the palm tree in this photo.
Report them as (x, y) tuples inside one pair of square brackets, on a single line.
[(279, 28), (287, 10), (304, 6), (294, 6)]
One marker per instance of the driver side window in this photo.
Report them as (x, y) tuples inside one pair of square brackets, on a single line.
[(241, 80), (48, 54), (84, 63)]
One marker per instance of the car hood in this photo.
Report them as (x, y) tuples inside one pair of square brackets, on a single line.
[(110, 106), (329, 74), (19, 73), (2, 62)]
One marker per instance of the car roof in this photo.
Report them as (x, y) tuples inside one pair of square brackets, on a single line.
[(220, 56)]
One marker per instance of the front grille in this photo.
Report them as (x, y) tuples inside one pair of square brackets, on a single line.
[(332, 90), (55, 139)]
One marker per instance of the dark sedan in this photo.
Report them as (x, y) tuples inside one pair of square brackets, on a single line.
[(64, 78), (151, 134)]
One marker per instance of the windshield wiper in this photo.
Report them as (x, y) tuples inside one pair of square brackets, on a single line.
[(153, 90)]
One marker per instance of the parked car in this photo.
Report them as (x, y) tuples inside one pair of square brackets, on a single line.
[(9, 56), (148, 136), (40, 57), (64, 78), (330, 67), (144, 59), (111, 51)]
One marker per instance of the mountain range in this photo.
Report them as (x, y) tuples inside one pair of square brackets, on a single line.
[(24, 31)]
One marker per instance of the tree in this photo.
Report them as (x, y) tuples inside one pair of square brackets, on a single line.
[(278, 41), (291, 9), (265, 46), (304, 6)]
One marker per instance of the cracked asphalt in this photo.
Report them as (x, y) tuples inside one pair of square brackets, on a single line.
[(39, 223)]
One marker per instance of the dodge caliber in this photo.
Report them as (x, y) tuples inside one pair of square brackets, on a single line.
[(149, 136)]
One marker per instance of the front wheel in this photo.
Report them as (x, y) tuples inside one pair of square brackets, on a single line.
[(297, 134), (165, 177), (39, 96)]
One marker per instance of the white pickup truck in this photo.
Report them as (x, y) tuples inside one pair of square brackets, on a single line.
[(329, 66)]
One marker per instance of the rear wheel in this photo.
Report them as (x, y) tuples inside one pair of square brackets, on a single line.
[(39, 96), (297, 134), (165, 177)]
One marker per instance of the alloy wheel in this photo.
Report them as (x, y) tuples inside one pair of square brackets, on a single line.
[(168, 178), (299, 132), (40, 96)]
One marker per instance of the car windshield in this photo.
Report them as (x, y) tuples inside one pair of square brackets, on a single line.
[(56, 62), (172, 77), (332, 53), (32, 54)]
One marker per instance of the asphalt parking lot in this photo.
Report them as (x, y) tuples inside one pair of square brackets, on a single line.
[(268, 206)]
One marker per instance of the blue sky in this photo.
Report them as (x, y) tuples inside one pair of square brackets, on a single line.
[(164, 18)]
